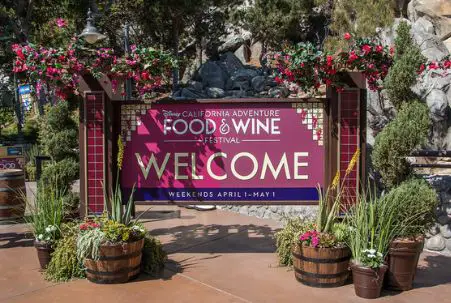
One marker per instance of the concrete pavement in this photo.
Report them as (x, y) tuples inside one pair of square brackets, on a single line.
[(214, 256)]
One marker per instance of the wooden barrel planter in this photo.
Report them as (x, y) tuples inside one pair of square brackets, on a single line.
[(118, 263), (321, 267), (12, 183)]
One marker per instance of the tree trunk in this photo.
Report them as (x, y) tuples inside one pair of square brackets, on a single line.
[(175, 36), (199, 50)]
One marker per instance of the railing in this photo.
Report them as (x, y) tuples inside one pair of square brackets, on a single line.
[(431, 153)]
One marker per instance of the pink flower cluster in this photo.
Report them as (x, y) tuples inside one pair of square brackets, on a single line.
[(310, 238), (89, 225), (309, 68), (62, 68)]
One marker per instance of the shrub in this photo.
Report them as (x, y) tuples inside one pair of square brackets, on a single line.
[(397, 140), (416, 204), (403, 74), (288, 236), (154, 256), (61, 173), (64, 264)]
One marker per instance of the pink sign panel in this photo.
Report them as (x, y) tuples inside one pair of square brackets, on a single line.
[(223, 152)]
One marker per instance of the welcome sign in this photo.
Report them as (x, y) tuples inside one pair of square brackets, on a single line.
[(223, 152)]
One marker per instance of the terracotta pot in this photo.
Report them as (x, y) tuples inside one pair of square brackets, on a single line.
[(403, 258), (44, 251), (321, 267), (367, 281), (117, 263)]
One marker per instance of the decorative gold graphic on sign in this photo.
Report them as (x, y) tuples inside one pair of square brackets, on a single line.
[(130, 118), (311, 114)]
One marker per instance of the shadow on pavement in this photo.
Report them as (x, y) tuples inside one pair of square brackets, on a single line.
[(435, 271), (10, 240), (198, 238)]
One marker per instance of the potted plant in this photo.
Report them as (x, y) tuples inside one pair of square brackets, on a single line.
[(372, 226), (111, 245), (45, 216), (416, 203), (321, 257)]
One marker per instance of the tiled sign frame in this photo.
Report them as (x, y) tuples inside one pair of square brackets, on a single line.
[(334, 111)]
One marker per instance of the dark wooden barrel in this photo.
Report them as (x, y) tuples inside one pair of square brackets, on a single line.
[(12, 183), (321, 267), (117, 263)]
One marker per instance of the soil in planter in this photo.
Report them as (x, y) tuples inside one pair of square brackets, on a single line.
[(44, 251), (321, 267), (367, 281), (402, 263), (117, 263)]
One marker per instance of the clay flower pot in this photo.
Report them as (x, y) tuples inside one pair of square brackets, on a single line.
[(403, 258), (368, 281), (44, 250)]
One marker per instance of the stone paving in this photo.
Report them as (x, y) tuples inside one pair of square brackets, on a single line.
[(215, 256)]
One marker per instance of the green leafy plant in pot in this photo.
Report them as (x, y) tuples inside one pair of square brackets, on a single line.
[(111, 245), (320, 256), (372, 226), (415, 199), (45, 216)]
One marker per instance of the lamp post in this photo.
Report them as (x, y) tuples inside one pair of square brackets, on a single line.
[(90, 33)]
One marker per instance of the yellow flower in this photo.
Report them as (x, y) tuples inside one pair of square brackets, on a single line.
[(353, 161), (336, 180)]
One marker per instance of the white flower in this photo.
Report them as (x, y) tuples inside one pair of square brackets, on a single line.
[(48, 229), (40, 236), (47, 239), (371, 256), (372, 251), (53, 227)]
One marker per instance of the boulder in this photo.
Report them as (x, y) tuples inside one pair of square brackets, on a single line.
[(258, 83), (243, 53), (244, 74), (196, 85), (215, 92), (431, 46), (445, 231), (438, 104), (212, 75), (256, 52), (231, 44), (243, 85), (230, 63), (436, 243), (190, 93), (438, 12)]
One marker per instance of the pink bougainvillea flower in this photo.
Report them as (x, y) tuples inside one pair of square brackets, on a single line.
[(353, 56), (347, 36), (422, 68), (278, 80), (379, 48), (366, 49), (60, 22), (329, 60), (433, 65)]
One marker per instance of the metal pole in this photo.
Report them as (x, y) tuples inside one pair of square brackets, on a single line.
[(128, 81)]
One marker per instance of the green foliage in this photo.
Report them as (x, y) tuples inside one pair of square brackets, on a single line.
[(64, 264), (372, 226), (59, 133), (88, 244), (47, 210), (416, 199), (61, 173), (274, 21), (119, 212), (361, 18), (327, 212), (30, 161), (154, 256), (118, 232), (340, 231), (289, 236), (403, 74), (398, 139), (6, 116)]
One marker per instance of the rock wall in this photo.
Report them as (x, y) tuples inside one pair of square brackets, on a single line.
[(431, 29)]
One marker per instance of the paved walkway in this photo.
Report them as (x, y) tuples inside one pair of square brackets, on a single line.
[(215, 256)]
